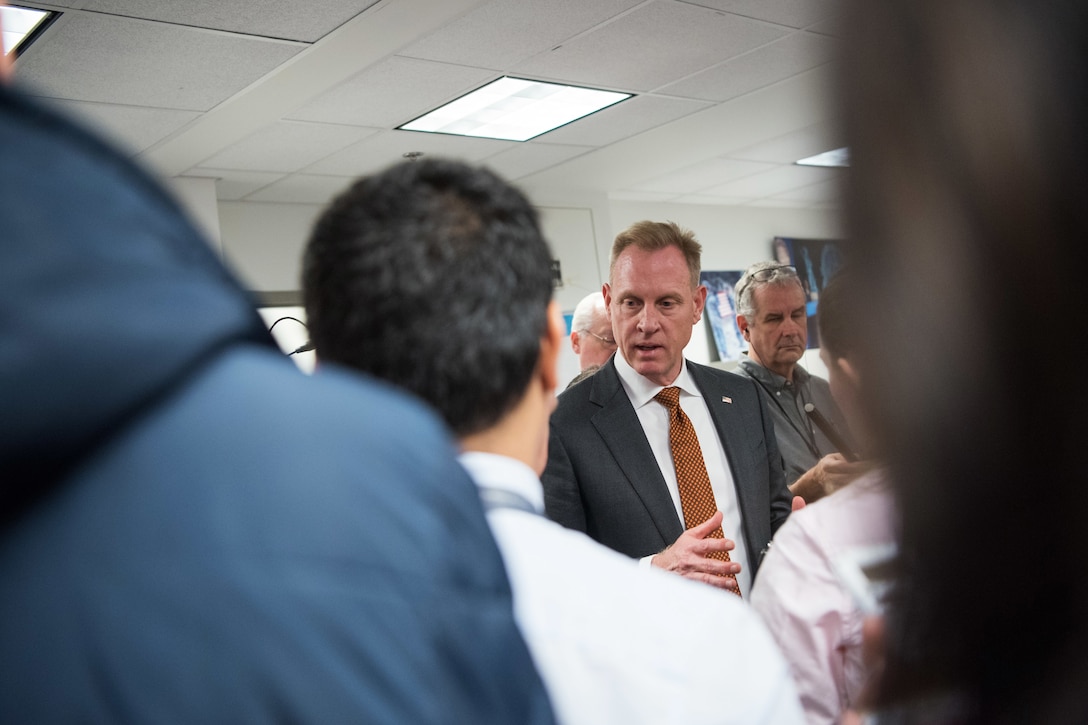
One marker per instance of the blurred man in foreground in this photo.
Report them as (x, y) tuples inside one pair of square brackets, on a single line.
[(193, 530)]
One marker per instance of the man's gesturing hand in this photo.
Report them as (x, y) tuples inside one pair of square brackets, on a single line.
[(688, 556)]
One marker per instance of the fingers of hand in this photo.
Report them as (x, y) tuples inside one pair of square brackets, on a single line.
[(706, 547), (693, 562), (691, 543), (703, 530), (842, 466), (728, 583)]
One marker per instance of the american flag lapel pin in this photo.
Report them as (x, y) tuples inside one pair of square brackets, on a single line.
[(727, 400)]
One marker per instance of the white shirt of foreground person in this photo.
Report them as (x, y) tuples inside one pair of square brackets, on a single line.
[(806, 606), (618, 644)]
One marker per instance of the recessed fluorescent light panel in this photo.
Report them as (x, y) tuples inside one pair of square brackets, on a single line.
[(837, 157), (21, 25), (513, 109)]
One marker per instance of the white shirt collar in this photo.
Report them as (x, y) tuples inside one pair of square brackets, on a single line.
[(490, 470), (641, 391)]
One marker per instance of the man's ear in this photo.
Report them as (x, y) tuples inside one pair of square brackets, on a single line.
[(550, 345), (606, 291), (576, 342), (849, 372), (700, 302), (742, 323)]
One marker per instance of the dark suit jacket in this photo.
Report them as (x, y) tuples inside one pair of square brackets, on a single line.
[(602, 478)]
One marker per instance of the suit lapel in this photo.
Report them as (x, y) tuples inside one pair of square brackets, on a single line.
[(619, 428), (730, 429), (719, 413)]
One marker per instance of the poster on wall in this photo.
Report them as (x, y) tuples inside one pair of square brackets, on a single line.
[(816, 262), (721, 313)]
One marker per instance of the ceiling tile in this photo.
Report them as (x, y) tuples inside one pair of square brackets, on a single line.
[(269, 18), (110, 59), (645, 196), (392, 93), (775, 181), (775, 203), (706, 200), (696, 177), (501, 33), (796, 53), (794, 13), (528, 158), (656, 44), (786, 149), (287, 146), (825, 192), (389, 147), (302, 189), (231, 184), (624, 119), (131, 127), (830, 27), (730, 92)]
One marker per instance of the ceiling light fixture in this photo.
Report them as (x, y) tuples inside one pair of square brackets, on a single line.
[(514, 109), (835, 157), (22, 26)]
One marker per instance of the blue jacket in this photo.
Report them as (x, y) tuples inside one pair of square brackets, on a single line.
[(193, 530)]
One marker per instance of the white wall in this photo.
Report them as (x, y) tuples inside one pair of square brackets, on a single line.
[(196, 196), (264, 242)]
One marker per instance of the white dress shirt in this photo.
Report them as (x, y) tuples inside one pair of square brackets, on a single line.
[(654, 418), (616, 644), (805, 604)]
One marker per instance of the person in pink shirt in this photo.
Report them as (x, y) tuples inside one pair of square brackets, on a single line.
[(805, 604)]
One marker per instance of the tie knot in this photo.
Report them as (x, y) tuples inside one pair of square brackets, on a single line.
[(669, 397)]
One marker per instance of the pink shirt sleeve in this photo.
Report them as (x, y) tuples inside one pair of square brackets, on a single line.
[(808, 611)]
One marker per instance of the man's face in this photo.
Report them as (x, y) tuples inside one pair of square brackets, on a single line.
[(778, 332), (653, 309), (595, 345)]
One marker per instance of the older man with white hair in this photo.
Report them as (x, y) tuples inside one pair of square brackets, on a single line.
[(591, 335)]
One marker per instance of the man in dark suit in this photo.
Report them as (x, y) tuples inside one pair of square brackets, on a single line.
[(610, 470)]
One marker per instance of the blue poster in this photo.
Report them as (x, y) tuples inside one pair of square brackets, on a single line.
[(816, 262), (721, 312)]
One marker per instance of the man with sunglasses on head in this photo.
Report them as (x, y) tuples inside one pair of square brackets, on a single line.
[(772, 316)]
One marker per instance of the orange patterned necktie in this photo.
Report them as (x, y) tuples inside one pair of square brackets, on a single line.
[(696, 495)]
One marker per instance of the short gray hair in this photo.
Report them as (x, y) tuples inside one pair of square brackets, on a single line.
[(762, 274)]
